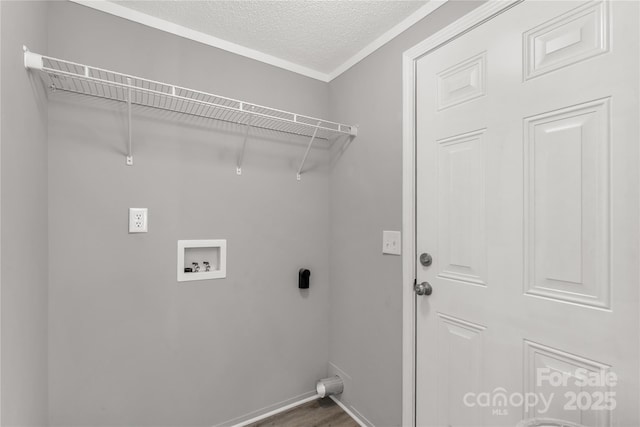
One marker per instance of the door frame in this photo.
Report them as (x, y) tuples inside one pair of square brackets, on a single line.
[(473, 19)]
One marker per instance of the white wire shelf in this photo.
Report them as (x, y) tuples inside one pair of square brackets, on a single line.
[(69, 76)]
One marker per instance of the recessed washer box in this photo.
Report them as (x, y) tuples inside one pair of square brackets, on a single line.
[(201, 252)]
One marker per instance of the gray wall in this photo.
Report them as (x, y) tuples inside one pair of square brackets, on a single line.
[(24, 219), (366, 198), (128, 345)]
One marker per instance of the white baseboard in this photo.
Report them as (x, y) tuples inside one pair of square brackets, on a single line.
[(357, 418), (279, 408), (283, 406)]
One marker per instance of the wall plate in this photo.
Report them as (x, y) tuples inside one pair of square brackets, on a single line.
[(138, 220), (391, 242), (200, 251)]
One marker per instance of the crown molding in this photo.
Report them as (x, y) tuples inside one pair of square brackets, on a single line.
[(198, 36), (188, 33), (403, 25)]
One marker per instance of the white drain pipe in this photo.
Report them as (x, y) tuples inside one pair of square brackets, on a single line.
[(328, 386)]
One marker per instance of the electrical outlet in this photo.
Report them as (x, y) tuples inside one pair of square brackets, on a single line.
[(391, 243), (138, 220)]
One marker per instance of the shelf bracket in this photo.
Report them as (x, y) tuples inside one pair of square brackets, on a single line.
[(129, 151), (304, 159), (244, 145), (32, 60)]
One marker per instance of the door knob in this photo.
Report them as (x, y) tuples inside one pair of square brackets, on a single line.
[(423, 288), (426, 259)]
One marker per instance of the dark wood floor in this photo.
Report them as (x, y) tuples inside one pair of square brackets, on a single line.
[(317, 413)]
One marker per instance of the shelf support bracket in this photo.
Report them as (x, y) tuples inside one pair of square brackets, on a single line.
[(32, 61), (129, 151), (304, 159), (244, 145)]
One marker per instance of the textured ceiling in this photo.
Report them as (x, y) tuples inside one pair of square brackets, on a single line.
[(320, 35)]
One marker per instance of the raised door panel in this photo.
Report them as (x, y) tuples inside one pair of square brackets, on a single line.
[(460, 361), (462, 82), (575, 36), (564, 386), (567, 204), (461, 208)]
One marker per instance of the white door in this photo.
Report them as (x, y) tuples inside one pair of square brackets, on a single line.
[(528, 202)]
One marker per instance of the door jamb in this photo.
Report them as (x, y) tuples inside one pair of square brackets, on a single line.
[(410, 57)]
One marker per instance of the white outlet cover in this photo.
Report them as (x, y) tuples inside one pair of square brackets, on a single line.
[(391, 242), (138, 220)]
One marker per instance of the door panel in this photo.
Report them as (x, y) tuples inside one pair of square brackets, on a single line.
[(461, 242), (527, 199), (539, 357), (461, 362), (462, 82), (574, 36), (567, 204)]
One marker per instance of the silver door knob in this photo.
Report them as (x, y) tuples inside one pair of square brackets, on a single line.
[(423, 288), (425, 259)]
